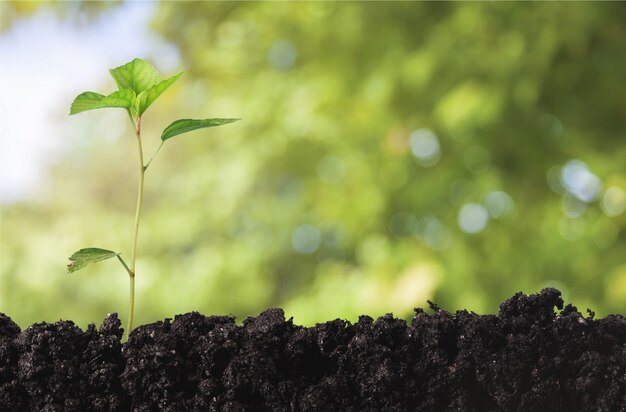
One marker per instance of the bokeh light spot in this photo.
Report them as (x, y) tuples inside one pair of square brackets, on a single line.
[(579, 181), (554, 179), (499, 204), (473, 218), (572, 206), (477, 159), (306, 239), (433, 233), (282, 55), (425, 147), (331, 170), (613, 201)]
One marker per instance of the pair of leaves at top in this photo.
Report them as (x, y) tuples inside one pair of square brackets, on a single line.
[(139, 86)]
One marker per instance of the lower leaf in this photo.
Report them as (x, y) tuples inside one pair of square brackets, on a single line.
[(86, 256)]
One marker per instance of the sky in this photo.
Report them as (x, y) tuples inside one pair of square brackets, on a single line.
[(44, 63)]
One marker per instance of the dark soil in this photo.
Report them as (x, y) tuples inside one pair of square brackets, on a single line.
[(527, 358)]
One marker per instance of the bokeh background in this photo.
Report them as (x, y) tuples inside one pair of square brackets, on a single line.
[(389, 153)]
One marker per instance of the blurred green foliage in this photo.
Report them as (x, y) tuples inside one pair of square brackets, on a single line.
[(368, 130)]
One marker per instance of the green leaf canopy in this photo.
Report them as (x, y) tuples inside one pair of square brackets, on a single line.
[(148, 96), (187, 125), (139, 86), (86, 256), (137, 75), (91, 100)]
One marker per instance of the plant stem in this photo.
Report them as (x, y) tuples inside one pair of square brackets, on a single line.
[(124, 264), (153, 156), (131, 273)]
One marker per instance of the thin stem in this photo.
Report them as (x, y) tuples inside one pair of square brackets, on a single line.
[(154, 155), (131, 273), (124, 264)]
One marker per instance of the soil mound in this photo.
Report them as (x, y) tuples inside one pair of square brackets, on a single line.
[(525, 358)]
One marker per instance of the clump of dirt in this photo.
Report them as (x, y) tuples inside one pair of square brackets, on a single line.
[(58, 367), (526, 357)]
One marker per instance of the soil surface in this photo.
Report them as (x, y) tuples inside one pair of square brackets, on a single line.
[(526, 358)]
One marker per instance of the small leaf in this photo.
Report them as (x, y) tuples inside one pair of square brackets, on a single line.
[(86, 256), (91, 100), (147, 97), (187, 125), (137, 75)]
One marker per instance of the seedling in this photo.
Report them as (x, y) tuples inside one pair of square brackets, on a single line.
[(139, 86)]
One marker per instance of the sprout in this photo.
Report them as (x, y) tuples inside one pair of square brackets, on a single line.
[(139, 86)]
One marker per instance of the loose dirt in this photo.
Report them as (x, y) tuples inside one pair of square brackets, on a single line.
[(526, 358)]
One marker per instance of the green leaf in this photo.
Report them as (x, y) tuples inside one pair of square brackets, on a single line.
[(187, 125), (91, 100), (147, 97), (86, 256), (138, 75)]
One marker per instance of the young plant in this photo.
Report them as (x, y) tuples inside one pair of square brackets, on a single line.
[(139, 86)]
